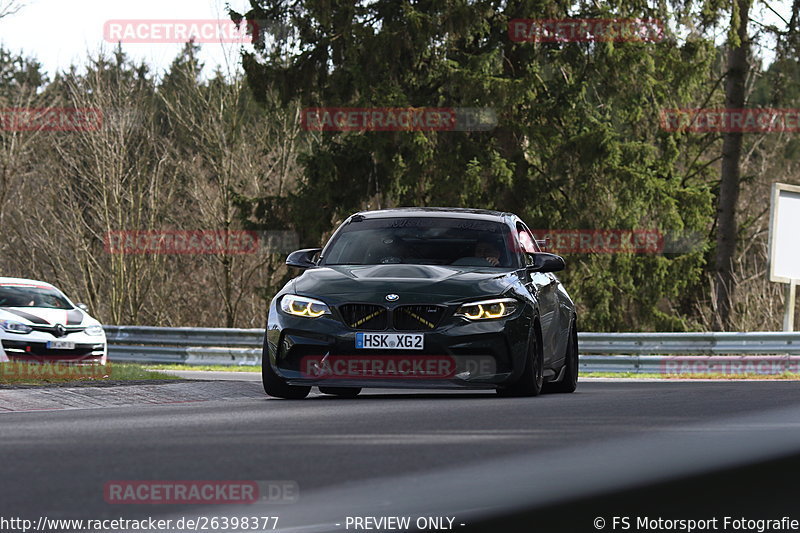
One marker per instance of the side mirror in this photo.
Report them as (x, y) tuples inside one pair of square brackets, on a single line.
[(544, 262), (303, 258), (83, 307)]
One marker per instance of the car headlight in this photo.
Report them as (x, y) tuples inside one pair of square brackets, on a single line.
[(15, 327), (488, 309), (94, 330), (302, 306)]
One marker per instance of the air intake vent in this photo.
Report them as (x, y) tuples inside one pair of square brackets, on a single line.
[(417, 317), (364, 316)]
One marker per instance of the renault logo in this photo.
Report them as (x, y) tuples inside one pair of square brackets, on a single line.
[(60, 330), (392, 297)]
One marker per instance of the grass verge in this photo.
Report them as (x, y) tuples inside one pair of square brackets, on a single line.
[(765, 377), (629, 375), (208, 368), (32, 374)]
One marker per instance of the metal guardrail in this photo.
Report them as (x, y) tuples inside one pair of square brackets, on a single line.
[(600, 352), (190, 346), (690, 343), (690, 364)]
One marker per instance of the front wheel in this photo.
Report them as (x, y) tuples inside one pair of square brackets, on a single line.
[(531, 381), (275, 386)]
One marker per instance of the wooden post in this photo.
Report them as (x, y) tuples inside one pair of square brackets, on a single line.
[(788, 316)]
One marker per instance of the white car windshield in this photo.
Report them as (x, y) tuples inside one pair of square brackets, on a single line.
[(32, 296)]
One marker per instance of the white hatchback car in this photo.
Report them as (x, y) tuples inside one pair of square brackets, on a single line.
[(39, 323)]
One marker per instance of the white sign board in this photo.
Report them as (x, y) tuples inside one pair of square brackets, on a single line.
[(784, 233)]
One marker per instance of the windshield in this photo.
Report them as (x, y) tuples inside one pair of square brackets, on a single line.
[(32, 296), (421, 241)]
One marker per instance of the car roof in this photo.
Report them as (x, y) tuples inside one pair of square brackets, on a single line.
[(441, 212), (23, 281)]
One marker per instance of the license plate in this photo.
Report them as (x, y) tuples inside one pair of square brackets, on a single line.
[(60, 345), (390, 341)]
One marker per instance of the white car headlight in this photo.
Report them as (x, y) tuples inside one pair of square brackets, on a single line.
[(488, 309), (94, 330), (302, 306), (15, 327)]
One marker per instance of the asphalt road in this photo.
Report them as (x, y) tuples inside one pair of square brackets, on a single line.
[(472, 455)]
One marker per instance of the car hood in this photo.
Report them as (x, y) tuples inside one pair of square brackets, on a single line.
[(47, 317), (423, 283)]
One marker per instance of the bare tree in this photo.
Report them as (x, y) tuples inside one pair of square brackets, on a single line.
[(109, 178), (9, 7), (20, 140), (240, 151), (16, 151)]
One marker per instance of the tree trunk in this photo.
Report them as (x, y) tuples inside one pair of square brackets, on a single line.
[(738, 68)]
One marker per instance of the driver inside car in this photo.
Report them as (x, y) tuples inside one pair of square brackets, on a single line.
[(488, 251)]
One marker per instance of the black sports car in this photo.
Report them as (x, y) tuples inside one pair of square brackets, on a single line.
[(423, 297)]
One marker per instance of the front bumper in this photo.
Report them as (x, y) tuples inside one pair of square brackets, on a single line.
[(33, 347), (482, 354)]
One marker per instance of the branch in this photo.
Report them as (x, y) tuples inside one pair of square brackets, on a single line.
[(10, 7)]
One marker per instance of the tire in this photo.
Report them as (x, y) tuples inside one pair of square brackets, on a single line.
[(532, 380), (569, 382), (275, 386), (344, 392)]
